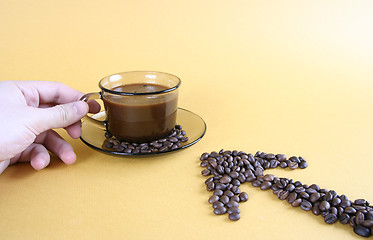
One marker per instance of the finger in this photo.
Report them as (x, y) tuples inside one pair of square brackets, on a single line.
[(94, 107), (49, 92), (58, 146), (59, 116), (74, 130), (36, 154), (4, 165)]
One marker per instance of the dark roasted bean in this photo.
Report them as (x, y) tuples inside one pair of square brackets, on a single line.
[(306, 205), (362, 231), (225, 179), (217, 204), (265, 185), (233, 210), (296, 203), (293, 165), (220, 210), (359, 218), (281, 157), (210, 186), (224, 199), (268, 177), (234, 216), (235, 198), (218, 192), (350, 210), (292, 197), (324, 206), (236, 190), (243, 196), (314, 197), (330, 218), (304, 195), (282, 195), (316, 210), (213, 199), (344, 218), (361, 202), (232, 204), (345, 204), (336, 201), (367, 223)]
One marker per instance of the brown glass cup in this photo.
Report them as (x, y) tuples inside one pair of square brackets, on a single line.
[(140, 106)]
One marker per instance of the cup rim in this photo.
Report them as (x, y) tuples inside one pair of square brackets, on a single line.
[(138, 94)]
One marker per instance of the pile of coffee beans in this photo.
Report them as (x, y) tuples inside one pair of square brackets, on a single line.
[(173, 141), (230, 169)]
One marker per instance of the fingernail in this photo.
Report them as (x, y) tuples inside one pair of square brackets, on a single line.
[(80, 107)]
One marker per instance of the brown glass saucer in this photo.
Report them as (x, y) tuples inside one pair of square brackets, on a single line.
[(94, 135)]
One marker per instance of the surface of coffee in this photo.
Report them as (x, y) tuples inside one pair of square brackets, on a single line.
[(140, 118)]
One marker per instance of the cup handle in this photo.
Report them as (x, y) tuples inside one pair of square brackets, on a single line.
[(86, 98)]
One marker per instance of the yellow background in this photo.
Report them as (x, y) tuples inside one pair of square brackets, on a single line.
[(292, 77)]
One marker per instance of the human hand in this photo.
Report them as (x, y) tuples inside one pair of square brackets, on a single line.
[(29, 112)]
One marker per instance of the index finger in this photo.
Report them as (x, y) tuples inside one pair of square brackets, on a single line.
[(49, 92)]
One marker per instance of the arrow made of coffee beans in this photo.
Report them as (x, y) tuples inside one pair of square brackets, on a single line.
[(230, 169)]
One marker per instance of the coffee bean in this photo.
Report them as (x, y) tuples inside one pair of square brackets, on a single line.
[(243, 196), (359, 218), (367, 223), (362, 231), (281, 157), (290, 187), (265, 185), (229, 193), (220, 210), (224, 199), (314, 197), (297, 202), (236, 190), (350, 210), (283, 164), (221, 186), (361, 202), (324, 206), (233, 210), (344, 218), (210, 186), (306, 205), (293, 165), (303, 165), (234, 216), (206, 172), (268, 177), (345, 204), (225, 179), (256, 183), (217, 204), (292, 197), (336, 201), (232, 204), (282, 195), (213, 199), (235, 198), (233, 174), (316, 210), (330, 218), (304, 195), (218, 192)]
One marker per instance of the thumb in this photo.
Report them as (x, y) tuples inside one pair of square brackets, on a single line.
[(60, 116)]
